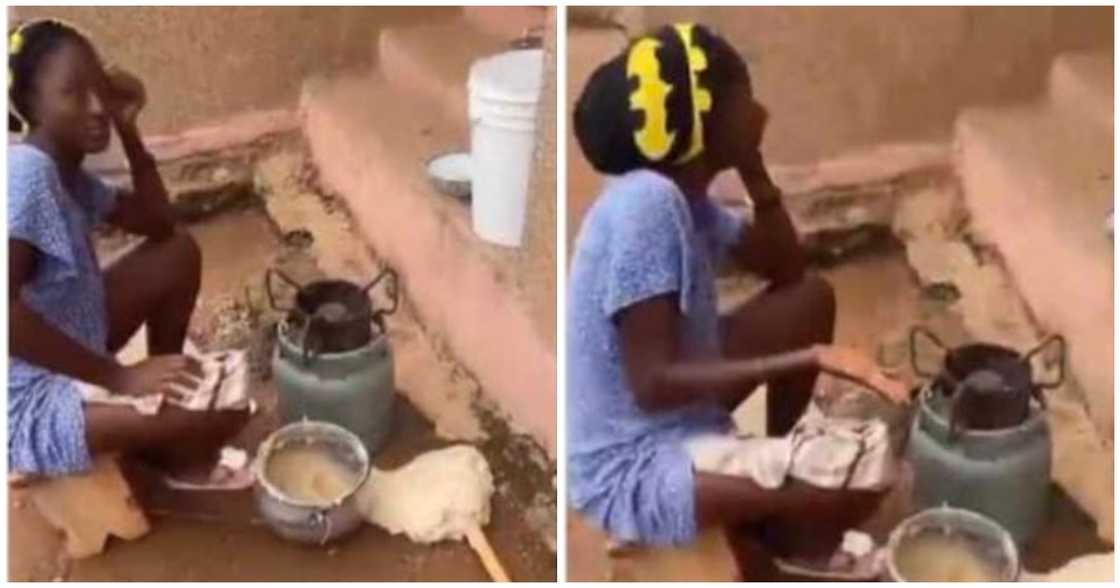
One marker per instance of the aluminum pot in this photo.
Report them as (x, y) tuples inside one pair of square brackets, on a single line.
[(303, 521), (993, 543)]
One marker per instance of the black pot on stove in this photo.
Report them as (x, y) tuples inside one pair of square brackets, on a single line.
[(988, 386)]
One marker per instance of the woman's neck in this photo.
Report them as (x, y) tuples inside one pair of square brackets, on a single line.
[(69, 163), (692, 179)]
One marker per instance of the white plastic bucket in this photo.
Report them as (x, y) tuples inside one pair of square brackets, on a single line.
[(502, 107)]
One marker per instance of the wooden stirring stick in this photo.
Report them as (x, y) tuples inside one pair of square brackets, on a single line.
[(477, 540)]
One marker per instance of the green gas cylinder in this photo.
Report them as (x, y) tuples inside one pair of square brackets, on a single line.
[(333, 361)]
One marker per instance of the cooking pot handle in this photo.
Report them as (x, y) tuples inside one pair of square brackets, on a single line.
[(928, 334), (268, 287), (310, 349), (955, 411), (320, 519), (392, 288), (1051, 340)]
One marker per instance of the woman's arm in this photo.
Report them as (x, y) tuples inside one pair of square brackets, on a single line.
[(770, 246), (147, 209), (661, 381), (36, 341)]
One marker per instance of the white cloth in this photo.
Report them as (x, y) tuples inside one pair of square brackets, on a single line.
[(826, 452), (224, 386)]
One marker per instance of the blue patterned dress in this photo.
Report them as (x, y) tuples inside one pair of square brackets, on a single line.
[(627, 468), (46, 426)]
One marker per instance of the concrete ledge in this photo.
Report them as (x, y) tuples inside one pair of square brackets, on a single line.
[(374, 158), (1081, 85), (433, 61), (858, 167), (241, 129), (1038, 184), (505, 21)]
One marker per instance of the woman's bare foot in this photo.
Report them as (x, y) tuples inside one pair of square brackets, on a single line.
[(231, 472), (857, 558)]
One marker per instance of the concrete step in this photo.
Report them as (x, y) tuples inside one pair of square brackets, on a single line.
[(1081, 86), (506, 21), (434, 60), (1038, 184), (463, 289)]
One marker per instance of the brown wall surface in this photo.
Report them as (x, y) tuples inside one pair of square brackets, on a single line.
[(539, 259), (206, 63), (835, 78)]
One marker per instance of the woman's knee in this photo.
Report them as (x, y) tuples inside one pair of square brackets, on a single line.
[(186, 254), (819, 300), (220, 425)]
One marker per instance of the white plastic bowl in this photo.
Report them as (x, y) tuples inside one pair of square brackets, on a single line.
[(451, 174)]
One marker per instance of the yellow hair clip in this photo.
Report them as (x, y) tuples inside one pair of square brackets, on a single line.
[(15, 41)]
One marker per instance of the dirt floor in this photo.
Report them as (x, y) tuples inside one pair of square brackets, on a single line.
[(212, 537), (199, 537), (878, 301)]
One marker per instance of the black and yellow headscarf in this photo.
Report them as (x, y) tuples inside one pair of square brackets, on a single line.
[(649, 105)]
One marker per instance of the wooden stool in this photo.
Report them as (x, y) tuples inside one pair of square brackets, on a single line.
[(88, 508)]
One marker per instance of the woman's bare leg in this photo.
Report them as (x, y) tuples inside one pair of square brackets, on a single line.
[(176, 440), (751, 556), (797, 518), (157, 284), (793, 317)]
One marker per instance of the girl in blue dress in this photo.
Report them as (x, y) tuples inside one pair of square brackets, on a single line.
[(68, 317), (651, 361)]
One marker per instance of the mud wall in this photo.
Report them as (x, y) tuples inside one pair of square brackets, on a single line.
[(205, 63), (539, 259), (835, 78)]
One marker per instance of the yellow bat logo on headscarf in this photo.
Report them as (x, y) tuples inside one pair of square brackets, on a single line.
[(654, 139), (701, 97)]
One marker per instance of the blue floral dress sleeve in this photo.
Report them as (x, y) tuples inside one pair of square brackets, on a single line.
[(648, 254), (35, 214), (627, 470)]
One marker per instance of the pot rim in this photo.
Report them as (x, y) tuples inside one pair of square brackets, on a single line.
[(1010, 549), (265, 449), (926, 413), (377, 339)]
